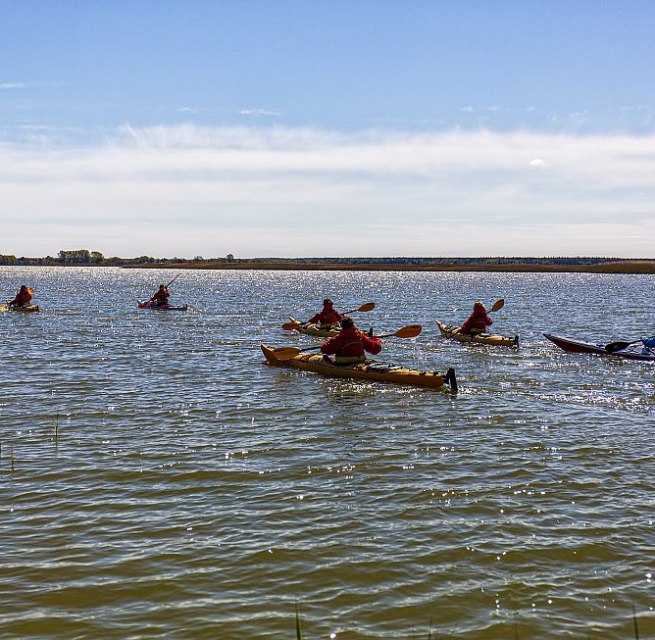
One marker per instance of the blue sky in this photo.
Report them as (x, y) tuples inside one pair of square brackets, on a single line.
[(282, 128)]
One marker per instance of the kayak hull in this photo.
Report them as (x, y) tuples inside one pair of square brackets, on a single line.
[(155, 307), (365, 371), (633, 352), (311, 329), (482, 338), (30, 308)]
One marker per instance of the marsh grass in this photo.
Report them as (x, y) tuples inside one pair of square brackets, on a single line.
[(55, 425), (614, 266), (634, 619), (299, 633)]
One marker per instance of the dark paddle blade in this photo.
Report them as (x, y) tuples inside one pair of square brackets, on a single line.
[(619, 345), (291, 326)]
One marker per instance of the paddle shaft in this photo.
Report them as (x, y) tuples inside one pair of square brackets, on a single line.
[(173, 280), (315, 348), (410, 331)]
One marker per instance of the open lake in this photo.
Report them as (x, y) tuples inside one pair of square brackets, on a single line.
[(158, 480)]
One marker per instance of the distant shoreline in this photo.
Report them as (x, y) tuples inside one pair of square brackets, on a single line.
[(627, 266), (488, 264)]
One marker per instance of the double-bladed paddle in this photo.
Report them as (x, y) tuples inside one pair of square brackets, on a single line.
[(287, 353), (294, 324)]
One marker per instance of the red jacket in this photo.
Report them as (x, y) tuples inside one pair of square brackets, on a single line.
[(479, 320), (161, 297), (328, 315), (351, 342), (22, 298)]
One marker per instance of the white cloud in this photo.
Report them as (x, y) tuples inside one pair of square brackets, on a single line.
[(199, 190)]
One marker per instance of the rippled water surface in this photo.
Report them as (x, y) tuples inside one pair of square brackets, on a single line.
[(157, 480)]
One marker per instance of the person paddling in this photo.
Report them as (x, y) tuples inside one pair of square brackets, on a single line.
[(349, 345), (23, 297), (328, 316), (160, 299), (477, 322)]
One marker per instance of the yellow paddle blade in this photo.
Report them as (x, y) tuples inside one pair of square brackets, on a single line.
[(291, 326), (286, 353), (410, 331), (498, 305), (369, 306)]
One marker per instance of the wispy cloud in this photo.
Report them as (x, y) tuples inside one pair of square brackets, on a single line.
[(9, 86), (190, 190), (260, 112), (193, 110)]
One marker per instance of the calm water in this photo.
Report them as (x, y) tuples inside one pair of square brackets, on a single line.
[(190, 491)]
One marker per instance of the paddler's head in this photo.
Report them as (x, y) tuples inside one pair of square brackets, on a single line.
[(479, 306), (23, 287), (347, 323), (327, 302)]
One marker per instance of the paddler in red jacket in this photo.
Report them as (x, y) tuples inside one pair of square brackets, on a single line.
[(477, 322), (160, 299), (328, 316), (23, 297), (350, 344)]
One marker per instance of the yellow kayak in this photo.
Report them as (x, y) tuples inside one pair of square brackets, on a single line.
[(311, 329), (482, 338), (368, 370), (30, 308)]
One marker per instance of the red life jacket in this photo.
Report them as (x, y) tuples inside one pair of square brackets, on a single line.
[(161, 297), (479, 320), (22, 298), (328, 315), (351, 342)]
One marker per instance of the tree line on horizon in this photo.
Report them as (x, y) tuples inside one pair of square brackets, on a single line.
[(84, 257)]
